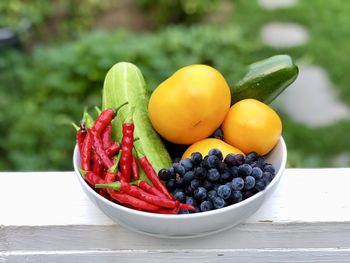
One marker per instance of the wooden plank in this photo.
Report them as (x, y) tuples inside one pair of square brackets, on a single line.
[(178, 256), (244, 236)]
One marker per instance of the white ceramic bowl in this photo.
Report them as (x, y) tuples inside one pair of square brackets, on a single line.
[(189, 225)]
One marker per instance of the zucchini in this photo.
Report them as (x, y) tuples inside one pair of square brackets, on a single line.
[(125, 83), (264, 80)]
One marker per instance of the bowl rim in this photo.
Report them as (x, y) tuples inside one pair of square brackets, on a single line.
[(182, 216)]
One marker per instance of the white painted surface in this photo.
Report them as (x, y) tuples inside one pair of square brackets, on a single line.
[(313, 100), (45, 217), (284, 35)]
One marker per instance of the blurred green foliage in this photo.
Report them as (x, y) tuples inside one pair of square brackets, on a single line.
[(56, 83), (328, 46), (176, 11), (42, 93), (50, 20)]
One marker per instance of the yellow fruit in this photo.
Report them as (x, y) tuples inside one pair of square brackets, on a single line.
[(204, 146), (190, 104), (251, 125)]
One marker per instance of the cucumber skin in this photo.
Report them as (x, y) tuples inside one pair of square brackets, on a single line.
[(124, 83), (265, 79)]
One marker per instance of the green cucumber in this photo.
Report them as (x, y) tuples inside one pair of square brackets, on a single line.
[(124, 83), (264, 80)]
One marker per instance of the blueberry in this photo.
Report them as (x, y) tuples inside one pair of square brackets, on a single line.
[(224, 191), (212, 194), (218, 134), (171, 173), (267, 177), (204, 162), (239, 159), (236, 196), (179, 169), (269, 168), (260, 162), (170, 184), (229, 184), (216, 186), (188, 177), (247, 194), (180, 196), (234, 171), (244, 170), (196, 158), (164, 174), (176, 160), (222, 167), (200, 172), (216, 152), (191, 201), (251, 157), (206, 206), (230, 159), (249, 182), (213, 161), (208, 185), (195, 183), (188, 190), (257, 173), (225, 177), (213, 175), (179, 180), (187, 164), (200, 193), (237, 183), (183, 212), (218, 202), (260, 185)]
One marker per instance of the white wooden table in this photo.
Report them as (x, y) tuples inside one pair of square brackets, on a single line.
[(46, 217)]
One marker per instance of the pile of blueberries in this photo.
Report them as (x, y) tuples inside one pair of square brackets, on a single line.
[(213, 182)]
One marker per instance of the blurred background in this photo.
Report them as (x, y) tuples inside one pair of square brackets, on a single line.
[(54, 55)]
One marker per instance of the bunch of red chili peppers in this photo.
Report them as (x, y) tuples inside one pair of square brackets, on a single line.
[(113, 169)]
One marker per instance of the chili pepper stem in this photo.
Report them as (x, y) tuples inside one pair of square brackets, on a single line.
[(114, 168), (98, 110), (76, 127), (115, 186), (82, 172), (119, 107)]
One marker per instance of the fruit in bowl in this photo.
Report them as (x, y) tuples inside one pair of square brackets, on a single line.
[(124, 167), (186, 225)]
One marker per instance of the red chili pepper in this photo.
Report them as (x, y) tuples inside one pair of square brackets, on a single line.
[(103, 120), (112, 149), (175, 210), (127, 146), (92, 178), (142, 195), (130, 200), (152, 176), (135, 168), (98, 148), (106, 136), (149, 188), (86, 153), (97, 166), (80, 136), (110, 177)]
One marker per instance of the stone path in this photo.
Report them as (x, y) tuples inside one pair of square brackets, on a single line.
[(312, 98), (273, 4), (284, 35)]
